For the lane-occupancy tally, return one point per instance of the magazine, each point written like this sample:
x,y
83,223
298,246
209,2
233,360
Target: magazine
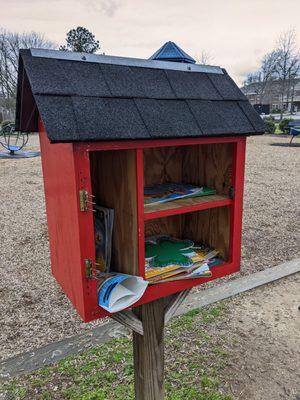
x,y
120,291
163,192
169,259
198,272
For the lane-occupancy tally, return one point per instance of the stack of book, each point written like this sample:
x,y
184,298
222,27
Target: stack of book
x,y
170,259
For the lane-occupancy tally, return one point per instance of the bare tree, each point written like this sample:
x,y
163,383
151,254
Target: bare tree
x,y
205,58
260,81
287,66
277,76
10,44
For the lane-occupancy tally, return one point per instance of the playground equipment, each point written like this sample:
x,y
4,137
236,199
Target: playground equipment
x,y
14,141
294,129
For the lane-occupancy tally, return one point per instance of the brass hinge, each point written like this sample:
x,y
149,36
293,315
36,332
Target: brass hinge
x,y
84,200
88,268
91,270
231,192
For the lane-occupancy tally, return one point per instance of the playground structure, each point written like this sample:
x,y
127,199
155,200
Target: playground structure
x,y
14,141
294,129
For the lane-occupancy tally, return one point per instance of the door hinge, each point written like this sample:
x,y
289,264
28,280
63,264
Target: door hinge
x,y
88,268
91,269
231,192
85,204
83,197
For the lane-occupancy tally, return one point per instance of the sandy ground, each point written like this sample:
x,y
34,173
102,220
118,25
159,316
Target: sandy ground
x,y
264,345
33,309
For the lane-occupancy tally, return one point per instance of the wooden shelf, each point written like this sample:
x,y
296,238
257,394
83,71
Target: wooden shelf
x,y
183,206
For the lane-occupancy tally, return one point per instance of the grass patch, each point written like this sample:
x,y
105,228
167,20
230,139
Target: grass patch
x,y
194,359
277,130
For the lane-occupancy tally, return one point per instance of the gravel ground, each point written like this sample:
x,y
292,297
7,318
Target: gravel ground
x,y
33,309
263,349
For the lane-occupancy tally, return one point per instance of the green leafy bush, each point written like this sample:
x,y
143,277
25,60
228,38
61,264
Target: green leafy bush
x,y
270,125
276,111
283,125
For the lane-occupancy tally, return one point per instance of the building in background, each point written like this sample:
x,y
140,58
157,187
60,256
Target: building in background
x,y
267,98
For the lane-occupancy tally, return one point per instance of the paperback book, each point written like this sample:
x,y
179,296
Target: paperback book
x,y
164,192
120,291
168,259
103,226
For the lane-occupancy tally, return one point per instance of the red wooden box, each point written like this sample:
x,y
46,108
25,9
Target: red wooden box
x,y
115,173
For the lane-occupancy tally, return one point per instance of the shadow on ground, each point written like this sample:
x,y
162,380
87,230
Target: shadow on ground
x,y
285,144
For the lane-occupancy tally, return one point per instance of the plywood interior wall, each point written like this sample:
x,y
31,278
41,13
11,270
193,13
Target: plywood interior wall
x,y
211,227
113,176
209,165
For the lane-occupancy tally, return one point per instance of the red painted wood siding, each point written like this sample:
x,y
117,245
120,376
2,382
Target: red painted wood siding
x,y
66,170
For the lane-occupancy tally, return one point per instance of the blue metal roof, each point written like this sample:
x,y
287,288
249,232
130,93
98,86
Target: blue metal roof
x,y
171,52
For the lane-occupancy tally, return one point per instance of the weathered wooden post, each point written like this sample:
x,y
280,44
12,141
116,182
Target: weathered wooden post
x,y
148,352
111,126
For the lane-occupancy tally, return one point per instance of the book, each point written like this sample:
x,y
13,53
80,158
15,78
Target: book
x,y
165,251
198,272
164,192
169,259
152,272
120,291
103,228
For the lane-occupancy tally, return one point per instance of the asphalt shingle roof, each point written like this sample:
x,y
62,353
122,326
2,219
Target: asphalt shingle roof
x,y
89,101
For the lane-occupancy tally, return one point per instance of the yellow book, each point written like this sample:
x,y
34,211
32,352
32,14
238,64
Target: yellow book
x,y
151,272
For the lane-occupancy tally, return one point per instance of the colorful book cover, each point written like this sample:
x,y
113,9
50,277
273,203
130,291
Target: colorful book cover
x,y
152,272
169,259
168,251
120,291
161,193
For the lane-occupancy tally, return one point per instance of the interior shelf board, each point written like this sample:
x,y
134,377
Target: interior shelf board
x,y
182,206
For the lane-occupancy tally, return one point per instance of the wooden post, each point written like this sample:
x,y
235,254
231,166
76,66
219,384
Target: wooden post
x,y
148,352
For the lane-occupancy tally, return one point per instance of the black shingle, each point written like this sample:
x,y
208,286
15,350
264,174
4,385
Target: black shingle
x,y
108,119
126,81
58,117
46,76
226,87
65,77
80,101
220,117
86,78
192,85
253,116
168,118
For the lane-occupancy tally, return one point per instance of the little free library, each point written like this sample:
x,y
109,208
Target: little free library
x,y
143,164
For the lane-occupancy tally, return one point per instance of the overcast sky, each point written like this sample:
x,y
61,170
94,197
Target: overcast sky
x,y
236,33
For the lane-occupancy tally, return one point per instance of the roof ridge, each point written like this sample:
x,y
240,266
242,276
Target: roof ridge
x,y
123,61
